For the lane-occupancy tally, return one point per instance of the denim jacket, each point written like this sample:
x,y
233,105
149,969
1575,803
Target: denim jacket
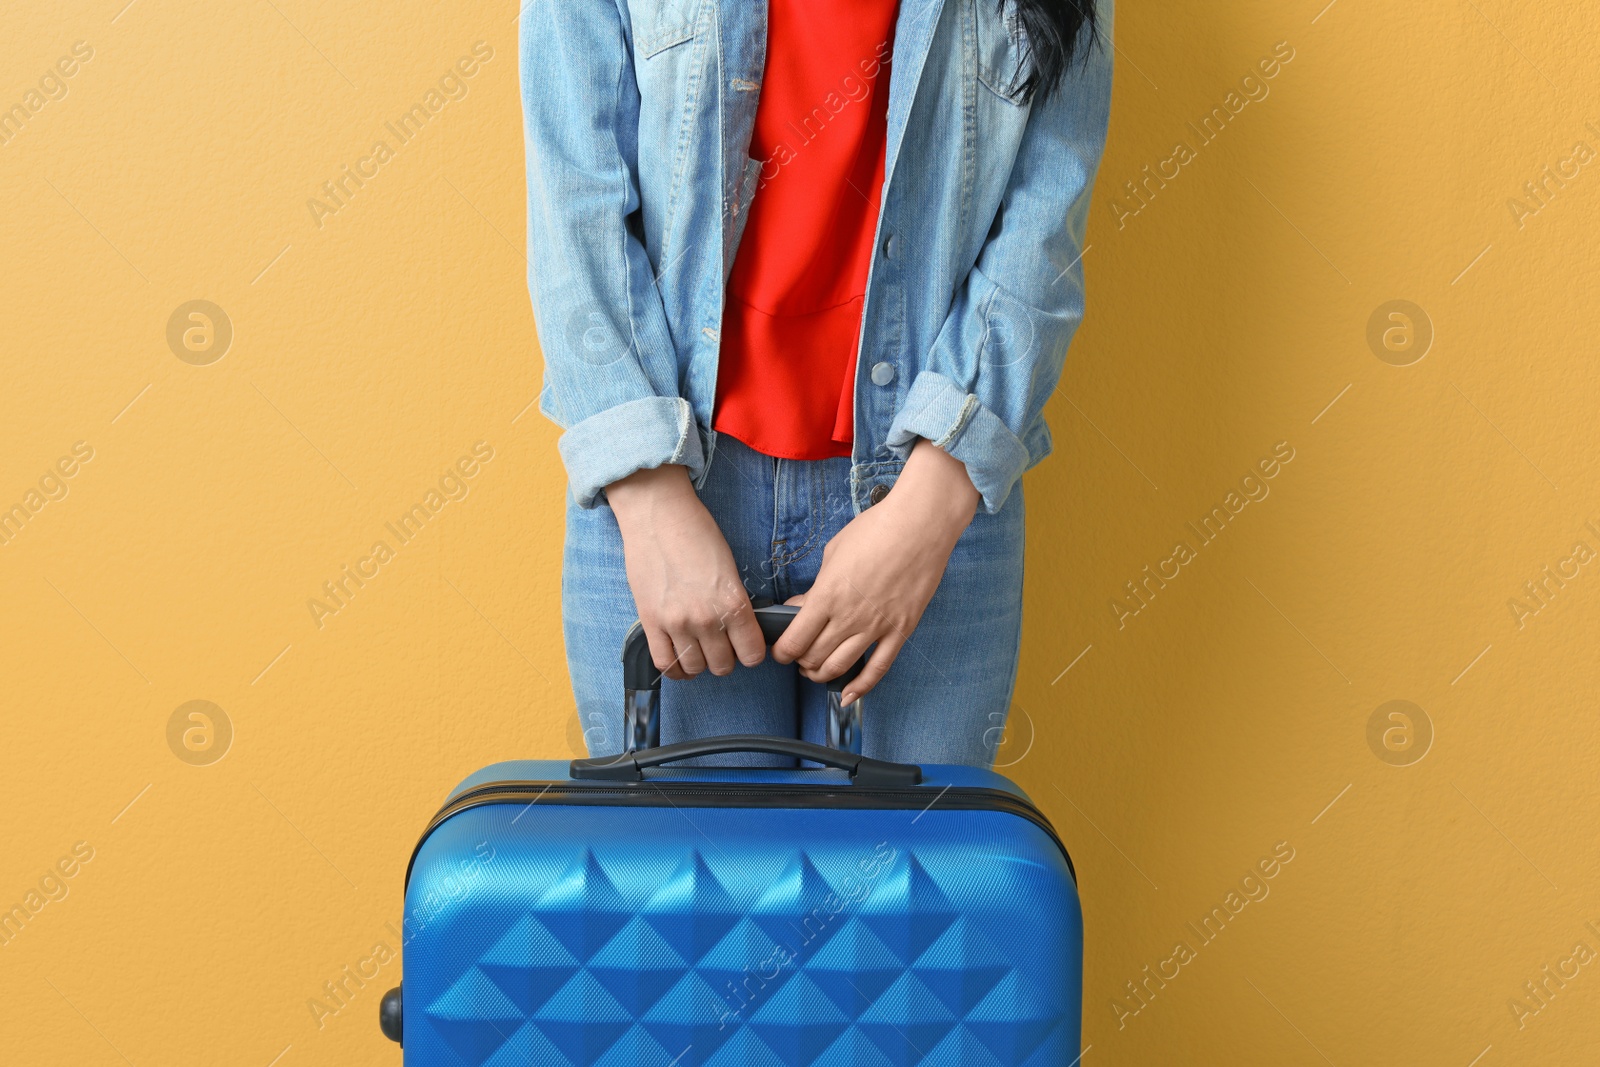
x,y
639,116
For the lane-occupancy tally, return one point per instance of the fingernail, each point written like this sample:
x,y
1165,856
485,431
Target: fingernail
x,y
849,698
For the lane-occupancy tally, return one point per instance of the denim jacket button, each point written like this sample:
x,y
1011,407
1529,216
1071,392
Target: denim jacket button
x,y
882,373
890,247
877,494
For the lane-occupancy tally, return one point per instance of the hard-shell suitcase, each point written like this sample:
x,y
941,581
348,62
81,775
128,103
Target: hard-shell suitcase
x,y
620,912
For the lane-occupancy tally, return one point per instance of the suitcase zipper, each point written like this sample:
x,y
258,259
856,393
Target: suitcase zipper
x,y
730,795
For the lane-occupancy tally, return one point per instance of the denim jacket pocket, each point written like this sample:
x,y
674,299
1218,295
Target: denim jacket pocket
x,y
1003,63
660,24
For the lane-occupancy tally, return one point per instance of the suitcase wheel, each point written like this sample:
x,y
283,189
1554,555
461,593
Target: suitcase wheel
x,y
389,1015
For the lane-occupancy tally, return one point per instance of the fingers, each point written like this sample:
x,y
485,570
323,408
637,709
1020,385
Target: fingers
x,y
726,639
802,632
686,645
815,637
689,661
839,660
661,651
883,658
717,651
825,649
749,644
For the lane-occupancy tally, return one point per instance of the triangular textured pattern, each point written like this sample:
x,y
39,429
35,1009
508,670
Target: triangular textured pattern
x,y
582,1019
961,967
1059,1046
618,937
799,1021
527,1046
1013,1018
636,1048
637,966
854,967
474,997
961,1048
908,911
528,964
744,963
692,1016
474,1017
907,1020
744,1049
800,908
583,908
692,909
854,1049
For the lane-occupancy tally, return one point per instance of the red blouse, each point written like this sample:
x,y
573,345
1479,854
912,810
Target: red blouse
x,y
792,320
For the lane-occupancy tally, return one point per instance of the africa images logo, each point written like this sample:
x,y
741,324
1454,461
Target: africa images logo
x,y
453,485
1253,488
453,86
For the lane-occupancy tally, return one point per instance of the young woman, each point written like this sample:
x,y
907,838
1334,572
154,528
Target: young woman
x,y
805,272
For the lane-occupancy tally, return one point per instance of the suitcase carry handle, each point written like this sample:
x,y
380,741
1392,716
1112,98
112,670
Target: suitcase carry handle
x,y
641,682
639,670
630,766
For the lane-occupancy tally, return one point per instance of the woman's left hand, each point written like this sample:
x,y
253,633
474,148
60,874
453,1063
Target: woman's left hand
x,y
879,573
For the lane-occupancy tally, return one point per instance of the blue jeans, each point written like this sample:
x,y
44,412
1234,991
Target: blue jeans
x,y
944,700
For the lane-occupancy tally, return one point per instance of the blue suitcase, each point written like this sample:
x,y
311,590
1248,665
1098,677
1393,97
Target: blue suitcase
x,y
620,912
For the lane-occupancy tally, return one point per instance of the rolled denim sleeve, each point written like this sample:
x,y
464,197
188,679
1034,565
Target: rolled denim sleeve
x,y
999,354
611,372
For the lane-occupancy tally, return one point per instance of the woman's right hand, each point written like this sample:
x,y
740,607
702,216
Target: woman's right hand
x,y
695,610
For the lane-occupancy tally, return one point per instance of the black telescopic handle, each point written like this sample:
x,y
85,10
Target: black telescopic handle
x,y
639,671
630,766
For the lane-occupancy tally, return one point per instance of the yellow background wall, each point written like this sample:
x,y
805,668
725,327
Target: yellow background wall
x,y
373,346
